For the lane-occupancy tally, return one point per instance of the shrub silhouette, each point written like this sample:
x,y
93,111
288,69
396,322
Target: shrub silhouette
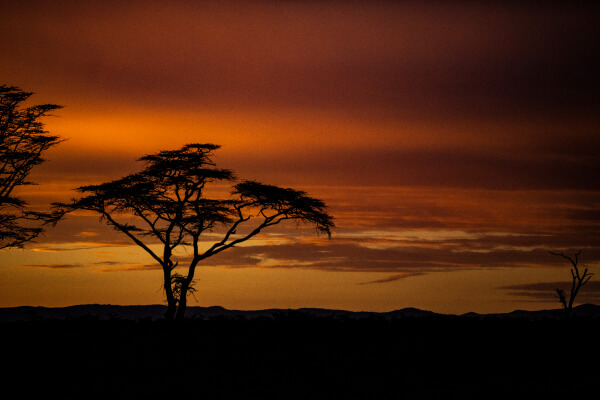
x,y
578,280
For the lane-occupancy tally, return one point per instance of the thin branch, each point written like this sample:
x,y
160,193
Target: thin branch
x,y
132,237
222,245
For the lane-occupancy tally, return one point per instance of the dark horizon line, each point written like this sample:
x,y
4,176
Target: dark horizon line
x,y
156,311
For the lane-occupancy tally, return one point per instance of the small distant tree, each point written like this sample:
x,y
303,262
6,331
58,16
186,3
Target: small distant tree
x,y
22,142
578,280
167,202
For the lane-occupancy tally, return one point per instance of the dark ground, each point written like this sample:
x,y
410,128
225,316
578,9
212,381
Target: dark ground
x,y
299,356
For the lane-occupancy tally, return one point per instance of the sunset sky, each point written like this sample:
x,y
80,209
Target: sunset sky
x,y
455,144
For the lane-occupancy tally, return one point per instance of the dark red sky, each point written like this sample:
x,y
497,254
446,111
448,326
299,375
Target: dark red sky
x,y
471,127
503,94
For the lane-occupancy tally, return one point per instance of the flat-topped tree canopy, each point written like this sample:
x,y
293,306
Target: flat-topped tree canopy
x,y
192,164
166,196
167,200
285,203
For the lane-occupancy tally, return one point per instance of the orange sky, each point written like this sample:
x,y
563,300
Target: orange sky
x,y
455,144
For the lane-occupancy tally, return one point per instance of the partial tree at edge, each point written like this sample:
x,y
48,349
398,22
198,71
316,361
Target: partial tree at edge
x,y
23,140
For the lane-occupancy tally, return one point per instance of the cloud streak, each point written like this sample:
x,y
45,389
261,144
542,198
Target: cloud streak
x,y
53,266
543,291
122,267
414,257
402,231
392,278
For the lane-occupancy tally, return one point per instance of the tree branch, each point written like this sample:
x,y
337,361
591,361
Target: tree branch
x,y
132,237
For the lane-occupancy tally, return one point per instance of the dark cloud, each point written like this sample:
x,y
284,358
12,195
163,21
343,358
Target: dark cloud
x,y
437,167
377,167
392,278
53,266
589,216
408,58
107,266
544,291
414,257
81,232
53,247
385,61
122,267
402,230
531,216
91,166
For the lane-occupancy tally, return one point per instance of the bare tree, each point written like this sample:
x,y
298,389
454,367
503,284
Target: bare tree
x,y
22,142
578,280
166,202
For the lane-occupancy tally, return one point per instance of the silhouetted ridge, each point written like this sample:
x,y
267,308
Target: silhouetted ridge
x,y
412,312
156,312
581,311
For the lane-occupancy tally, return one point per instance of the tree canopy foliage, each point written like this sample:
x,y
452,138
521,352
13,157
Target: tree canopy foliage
x,y
166,201
23,140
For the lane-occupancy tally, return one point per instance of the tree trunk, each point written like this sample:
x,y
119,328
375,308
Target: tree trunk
x,y
568,313
171,301
182,303
185,285
171,308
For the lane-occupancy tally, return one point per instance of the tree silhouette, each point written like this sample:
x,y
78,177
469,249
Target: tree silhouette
x,y
577,282
166,201
22,142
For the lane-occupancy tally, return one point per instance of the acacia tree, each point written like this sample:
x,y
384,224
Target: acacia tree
x,y
22,142
578,280
166,201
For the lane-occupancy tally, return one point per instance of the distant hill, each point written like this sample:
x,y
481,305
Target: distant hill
x,y
589,311
154,312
